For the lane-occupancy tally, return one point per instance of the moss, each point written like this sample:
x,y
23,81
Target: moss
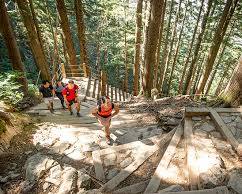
x,y
3,127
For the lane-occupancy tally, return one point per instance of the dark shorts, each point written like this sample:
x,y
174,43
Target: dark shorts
x,y
72,101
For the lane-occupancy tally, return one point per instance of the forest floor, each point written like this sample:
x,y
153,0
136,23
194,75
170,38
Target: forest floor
x,y
53,153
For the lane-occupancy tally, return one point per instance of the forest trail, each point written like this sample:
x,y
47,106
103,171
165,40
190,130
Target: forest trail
x,y
69,154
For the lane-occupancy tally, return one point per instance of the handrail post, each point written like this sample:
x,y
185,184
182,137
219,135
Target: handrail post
x,y
103,83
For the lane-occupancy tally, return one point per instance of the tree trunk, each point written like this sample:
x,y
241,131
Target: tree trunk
x,y
151,44
177,50
36,24
11,44
198,74
81,35
35,45
165,50
67,37
173,35
220,84
217,39
197,47
190,50
147,13
232,94
157,62
125,48
137,46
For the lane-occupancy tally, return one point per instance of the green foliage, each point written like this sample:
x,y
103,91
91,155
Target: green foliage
x,y
10,88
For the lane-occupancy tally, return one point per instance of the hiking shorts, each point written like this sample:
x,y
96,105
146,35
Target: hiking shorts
x,y
48,100
104,121
74,101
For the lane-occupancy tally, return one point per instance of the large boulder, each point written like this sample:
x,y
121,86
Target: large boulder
x,y
235,180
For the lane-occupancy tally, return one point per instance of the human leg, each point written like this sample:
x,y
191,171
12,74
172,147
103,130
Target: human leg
x,y
60,96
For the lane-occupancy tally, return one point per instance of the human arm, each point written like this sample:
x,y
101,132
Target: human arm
x,y
116,110
94,111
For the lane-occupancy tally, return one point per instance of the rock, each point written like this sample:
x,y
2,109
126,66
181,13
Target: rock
x,y
196,118
36,165
172,121
212,178
12,166
239,126
46,186
238,119
1,191
146,134
233,130
122,156
55,175
28,152
68,177
60,147
201,133
207,118
92,146
112,173
110,159
84,180
173,188
227,119
120,132
156,131
216,134
235,180
126,162
77,154
207,127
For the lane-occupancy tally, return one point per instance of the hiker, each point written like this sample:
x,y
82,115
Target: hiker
x,y
70,94
103,112
47,92
58,92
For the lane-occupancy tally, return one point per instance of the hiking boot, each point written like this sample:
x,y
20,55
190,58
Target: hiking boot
x,y
78,114
71,113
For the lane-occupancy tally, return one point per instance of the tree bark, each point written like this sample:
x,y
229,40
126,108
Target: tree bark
x,y
197,47
81,35
232,93
165,50
137,46
173,35
67,37
11,44
151,44
190,50
125,48
157,63
35,45
217,39
177,49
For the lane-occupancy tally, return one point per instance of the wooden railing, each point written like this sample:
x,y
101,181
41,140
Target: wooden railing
x,y
100,85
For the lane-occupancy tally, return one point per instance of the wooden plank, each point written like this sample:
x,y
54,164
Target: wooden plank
x,y
133,189
145,153
216,190
158,140
97,162
228,110
194,111
99,89
222,127
123,174
165,160
191,154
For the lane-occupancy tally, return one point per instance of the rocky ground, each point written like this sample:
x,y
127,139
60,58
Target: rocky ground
x,y
54,154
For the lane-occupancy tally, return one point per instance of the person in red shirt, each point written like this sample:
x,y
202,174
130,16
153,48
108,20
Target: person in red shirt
x,y
70,93
104,112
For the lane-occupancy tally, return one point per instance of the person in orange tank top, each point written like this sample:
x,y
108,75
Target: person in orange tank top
x,y
104,112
